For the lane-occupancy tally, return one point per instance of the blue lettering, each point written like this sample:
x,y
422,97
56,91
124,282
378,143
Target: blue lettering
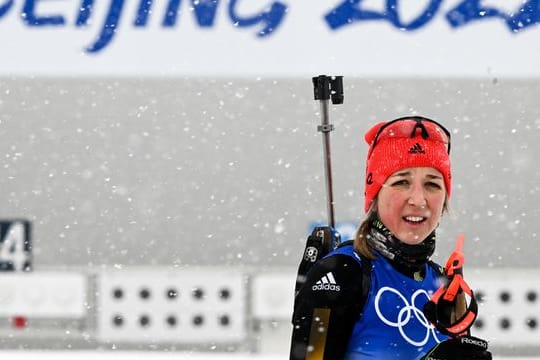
x,y
350,11
109,27
472,10
142,13
527,15
270,18
467,11
205,12
32,19
421,20
172,13
205,15
85,11
5,8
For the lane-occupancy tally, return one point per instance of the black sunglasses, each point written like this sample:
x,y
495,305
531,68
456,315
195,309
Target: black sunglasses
x,y
438,132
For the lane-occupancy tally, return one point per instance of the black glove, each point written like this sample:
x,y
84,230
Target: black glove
x,y
461,348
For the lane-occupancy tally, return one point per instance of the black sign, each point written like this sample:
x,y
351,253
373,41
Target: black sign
x,y
15,245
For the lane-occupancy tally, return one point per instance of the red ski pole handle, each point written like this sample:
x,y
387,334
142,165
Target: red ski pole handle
x,y
455,262
447,309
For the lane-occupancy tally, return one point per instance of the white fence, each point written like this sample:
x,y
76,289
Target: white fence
x,y
218,308
43,295
509,305
160,306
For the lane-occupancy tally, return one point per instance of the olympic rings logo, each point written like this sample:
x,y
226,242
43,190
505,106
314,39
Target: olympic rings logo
x,y
406,313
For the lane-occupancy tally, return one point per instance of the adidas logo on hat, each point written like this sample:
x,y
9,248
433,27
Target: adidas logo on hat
x,y
327,282
416,149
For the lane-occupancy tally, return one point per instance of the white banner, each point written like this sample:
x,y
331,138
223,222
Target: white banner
x,y
480,38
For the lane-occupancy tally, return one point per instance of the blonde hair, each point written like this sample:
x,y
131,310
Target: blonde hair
x,y
360,240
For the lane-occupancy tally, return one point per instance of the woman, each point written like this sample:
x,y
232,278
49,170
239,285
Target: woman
x,y
364,300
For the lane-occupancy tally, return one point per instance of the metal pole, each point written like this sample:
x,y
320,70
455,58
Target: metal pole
x,y
326,88
325,129
323,239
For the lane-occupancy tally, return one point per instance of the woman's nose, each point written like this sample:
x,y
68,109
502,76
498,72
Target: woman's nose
x,y
417,196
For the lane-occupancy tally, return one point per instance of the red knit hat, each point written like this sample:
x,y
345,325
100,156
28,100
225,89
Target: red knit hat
x,y
412,141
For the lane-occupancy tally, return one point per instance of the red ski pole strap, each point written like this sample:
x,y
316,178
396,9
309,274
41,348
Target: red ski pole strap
x,y
456,285
438,310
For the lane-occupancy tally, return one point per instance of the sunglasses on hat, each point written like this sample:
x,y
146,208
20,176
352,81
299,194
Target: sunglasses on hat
x,y
409,126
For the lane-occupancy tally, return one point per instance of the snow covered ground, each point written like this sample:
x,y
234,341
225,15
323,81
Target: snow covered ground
x,y
129,355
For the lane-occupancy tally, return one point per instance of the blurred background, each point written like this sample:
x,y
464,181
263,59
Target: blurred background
x,y
162,166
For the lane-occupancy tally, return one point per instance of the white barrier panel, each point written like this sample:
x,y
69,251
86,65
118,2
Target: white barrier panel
x,y
179,306
273,295
509,305
43,294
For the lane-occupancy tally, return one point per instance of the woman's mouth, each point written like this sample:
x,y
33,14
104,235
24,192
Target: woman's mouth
x,y
414,219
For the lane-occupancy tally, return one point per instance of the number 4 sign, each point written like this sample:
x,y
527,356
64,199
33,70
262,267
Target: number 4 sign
x,y
15,247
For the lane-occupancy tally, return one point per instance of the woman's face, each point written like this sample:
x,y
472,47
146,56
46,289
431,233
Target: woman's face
x,y
410,203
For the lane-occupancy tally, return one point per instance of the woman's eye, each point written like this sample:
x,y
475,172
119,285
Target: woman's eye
x,y
433,185
400,183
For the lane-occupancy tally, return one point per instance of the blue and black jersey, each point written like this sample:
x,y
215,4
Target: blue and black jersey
x,y
336,317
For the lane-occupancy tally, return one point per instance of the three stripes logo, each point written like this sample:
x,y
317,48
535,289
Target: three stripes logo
x,y
327,282
416,149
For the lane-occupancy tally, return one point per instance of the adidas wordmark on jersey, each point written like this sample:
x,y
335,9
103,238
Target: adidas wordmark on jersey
x,y
327,282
